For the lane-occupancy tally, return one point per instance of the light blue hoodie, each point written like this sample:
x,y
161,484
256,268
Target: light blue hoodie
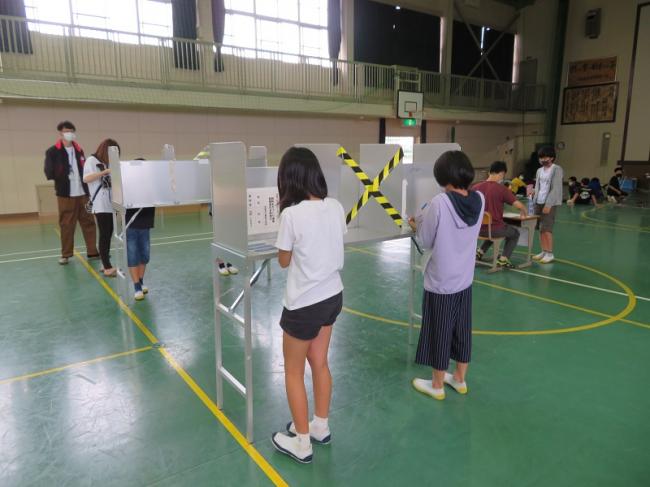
x,y
451,239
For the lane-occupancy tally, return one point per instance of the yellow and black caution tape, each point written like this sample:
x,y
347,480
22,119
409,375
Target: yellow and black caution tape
x,y
372,187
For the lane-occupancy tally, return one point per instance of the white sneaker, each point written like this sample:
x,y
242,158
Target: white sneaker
x,y
145,289
293,446
139,295
425,386
232,269
320,436
539,256
64,260
460,387
223,271
548,258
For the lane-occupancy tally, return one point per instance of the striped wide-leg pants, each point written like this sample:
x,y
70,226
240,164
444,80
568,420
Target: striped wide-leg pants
x,y
446,329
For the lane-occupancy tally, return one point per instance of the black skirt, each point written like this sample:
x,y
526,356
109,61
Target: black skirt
x,y
305,323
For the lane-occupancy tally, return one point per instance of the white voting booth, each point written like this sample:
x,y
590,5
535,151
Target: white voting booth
x,y
152,183
246,218
378,193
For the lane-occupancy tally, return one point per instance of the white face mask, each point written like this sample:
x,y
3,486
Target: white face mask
x,y
69,136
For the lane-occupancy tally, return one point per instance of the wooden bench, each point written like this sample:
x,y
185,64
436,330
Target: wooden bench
x,y
496,242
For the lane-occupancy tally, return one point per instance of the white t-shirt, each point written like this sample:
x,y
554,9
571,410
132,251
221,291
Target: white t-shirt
x,y
102,202
545,176
76,188
313,231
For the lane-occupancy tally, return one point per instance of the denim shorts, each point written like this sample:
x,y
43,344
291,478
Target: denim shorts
x,y
137,246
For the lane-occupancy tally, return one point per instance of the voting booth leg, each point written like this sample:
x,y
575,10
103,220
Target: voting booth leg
x,y
248,354
217,332
413,269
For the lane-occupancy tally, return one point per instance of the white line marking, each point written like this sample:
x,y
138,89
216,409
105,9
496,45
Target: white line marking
x,y
80,247
29,258
573,283
528,273
182,241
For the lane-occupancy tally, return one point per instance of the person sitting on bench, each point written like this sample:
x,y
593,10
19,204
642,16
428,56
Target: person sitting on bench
x,y
496,194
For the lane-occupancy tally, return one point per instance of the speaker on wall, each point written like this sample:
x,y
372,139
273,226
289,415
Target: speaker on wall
x,y
592,23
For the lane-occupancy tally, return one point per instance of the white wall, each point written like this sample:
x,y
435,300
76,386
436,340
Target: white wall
x,y
28,129
583,142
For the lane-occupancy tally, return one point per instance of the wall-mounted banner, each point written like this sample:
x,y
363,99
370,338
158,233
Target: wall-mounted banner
x,y
589,104
592,71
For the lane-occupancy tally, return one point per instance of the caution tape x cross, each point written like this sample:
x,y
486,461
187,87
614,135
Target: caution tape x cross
x,y
372,187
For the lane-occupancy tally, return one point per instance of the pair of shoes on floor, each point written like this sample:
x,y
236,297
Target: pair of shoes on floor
x,y
504,263
544,258
228,269
300,449
425,386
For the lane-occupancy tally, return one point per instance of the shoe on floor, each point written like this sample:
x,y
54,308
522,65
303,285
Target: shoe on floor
x,y
64,260
93,257
539,256
139,295
291,445
505,263
232,269
223,271
426,387
460,387
319,436
145,289
548,258
479,254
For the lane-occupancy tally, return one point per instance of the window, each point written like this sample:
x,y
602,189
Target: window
x,y
466,53
386,35
286,27
135,20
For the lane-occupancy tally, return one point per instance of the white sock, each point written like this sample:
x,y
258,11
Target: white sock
x,y
319,423
549,254
303,440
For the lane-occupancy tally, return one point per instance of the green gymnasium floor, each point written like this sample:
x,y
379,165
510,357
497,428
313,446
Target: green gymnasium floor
x,y
558,396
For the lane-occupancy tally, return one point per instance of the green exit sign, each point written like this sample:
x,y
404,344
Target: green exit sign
x,y
409,122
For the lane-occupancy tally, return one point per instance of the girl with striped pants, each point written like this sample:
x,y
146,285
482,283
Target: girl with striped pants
x,y
448,225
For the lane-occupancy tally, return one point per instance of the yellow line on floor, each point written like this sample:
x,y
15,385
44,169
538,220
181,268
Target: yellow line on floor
x,y
255,455
609,319
616,225
75,365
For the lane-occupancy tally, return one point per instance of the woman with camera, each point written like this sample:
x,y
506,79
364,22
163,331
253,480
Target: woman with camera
x,y
97,177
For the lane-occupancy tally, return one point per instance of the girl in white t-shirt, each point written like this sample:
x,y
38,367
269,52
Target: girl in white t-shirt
x,y
97,177
310,244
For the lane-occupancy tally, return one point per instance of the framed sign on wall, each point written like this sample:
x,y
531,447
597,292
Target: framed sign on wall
x,y
592,71
589,104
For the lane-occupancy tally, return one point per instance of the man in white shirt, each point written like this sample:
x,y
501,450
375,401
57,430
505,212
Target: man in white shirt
x,y
64,163
547,197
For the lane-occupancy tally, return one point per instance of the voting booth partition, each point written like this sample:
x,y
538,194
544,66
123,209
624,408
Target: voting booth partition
x,y
377,193
138,184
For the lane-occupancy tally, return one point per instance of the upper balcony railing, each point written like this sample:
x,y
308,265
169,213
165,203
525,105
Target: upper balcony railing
x,y
59,52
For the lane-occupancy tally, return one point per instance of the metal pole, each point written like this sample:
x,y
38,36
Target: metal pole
x,y
248,358
412,270
217,331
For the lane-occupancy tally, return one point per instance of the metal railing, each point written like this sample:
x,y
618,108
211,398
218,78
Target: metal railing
x,y
51,51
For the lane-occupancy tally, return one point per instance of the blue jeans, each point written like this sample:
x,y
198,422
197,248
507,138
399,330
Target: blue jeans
x,y
137,246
